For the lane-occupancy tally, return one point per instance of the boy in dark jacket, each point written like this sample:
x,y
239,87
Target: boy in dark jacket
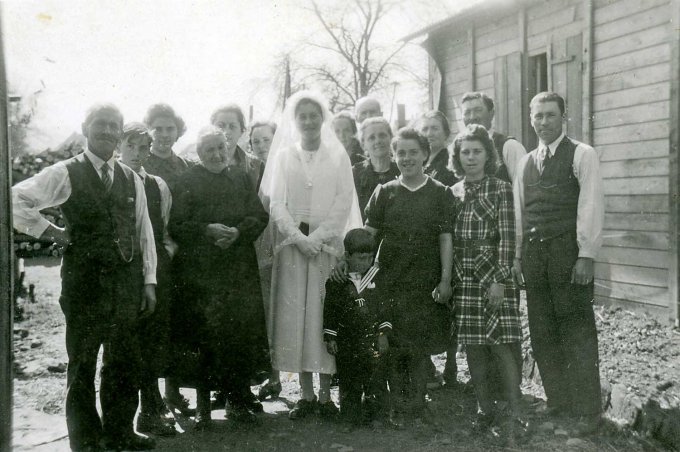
x,y
356,330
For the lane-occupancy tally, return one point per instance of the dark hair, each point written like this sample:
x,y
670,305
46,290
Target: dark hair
x,y
309,100
95,109
230,108
409,133
348,116
256,124
136,129
371,121
359,240
439,116
474,132
488,102
548,96
165,111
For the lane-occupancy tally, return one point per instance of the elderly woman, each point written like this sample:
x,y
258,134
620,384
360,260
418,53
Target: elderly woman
x,y
216,217
232,122
308,188
486,305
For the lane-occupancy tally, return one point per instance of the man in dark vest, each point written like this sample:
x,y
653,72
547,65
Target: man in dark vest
x,y
478,108
108,278
559,207
155,330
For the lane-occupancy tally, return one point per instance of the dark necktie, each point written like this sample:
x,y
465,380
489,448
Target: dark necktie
x,y
106,177
546,159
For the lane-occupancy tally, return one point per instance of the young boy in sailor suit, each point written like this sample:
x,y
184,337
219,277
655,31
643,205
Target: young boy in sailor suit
x,y
356,330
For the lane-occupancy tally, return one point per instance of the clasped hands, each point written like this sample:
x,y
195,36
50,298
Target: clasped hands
x,y
223,236
309,246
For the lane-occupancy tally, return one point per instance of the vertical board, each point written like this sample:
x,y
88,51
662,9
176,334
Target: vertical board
x,y
567,80
500,77
508,95
516,117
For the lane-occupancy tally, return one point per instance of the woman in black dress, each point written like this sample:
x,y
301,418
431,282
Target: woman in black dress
x,y
215,219
411,215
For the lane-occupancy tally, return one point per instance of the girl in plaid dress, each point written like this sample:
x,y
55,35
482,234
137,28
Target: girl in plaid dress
x,y
486,305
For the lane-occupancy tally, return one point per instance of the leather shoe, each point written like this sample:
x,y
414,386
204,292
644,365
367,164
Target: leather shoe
x,y
180,404
241,414
154,425
271,389
303,408
132,442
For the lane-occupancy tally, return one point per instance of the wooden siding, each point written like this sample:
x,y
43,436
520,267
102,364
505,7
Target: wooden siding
x,y
632,106
631,125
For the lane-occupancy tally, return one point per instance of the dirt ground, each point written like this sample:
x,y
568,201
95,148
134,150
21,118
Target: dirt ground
x,y
635,351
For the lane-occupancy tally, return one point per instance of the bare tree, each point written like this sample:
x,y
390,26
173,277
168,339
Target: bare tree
x,y
358,63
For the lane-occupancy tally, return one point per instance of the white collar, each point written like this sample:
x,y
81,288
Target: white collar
x,y
98,162
362,283
414,189
552,147
142,173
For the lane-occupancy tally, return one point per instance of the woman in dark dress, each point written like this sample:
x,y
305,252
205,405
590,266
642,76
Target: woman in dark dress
x,y
215,219
411,215
486,304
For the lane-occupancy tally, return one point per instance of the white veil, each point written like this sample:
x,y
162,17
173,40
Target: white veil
x,y
334,210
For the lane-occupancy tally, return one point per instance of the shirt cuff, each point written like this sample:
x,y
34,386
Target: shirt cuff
x,y
587,252
38,229
149,277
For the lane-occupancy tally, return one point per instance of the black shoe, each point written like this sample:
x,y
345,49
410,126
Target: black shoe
x,y
130,441
154,425
253,404
241,414
271,389
328,410
180,404
303,408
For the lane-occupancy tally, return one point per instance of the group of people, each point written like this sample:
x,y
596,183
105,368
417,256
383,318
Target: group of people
x,y
332,246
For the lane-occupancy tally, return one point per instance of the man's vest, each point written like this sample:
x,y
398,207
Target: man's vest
x,y
499,141
101,225
551,197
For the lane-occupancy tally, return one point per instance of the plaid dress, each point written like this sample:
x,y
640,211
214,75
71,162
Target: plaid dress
x,y
484,247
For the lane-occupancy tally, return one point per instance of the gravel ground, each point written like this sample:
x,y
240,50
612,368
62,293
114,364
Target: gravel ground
x,y
635,351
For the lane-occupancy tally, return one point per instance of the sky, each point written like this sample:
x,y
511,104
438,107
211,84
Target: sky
x,y
194,55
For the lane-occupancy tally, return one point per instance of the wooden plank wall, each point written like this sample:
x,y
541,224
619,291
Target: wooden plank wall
x,y
631,106
631,122
450,49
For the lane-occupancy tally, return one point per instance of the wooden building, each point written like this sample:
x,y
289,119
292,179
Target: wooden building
x,y
617,63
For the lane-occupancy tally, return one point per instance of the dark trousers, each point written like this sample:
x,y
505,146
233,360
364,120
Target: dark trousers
x,y
408,379
100,311
562,325
360,373
154,333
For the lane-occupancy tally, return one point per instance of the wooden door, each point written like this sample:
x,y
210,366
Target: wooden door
x,y
566,79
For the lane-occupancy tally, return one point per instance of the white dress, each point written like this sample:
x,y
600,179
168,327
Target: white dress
x,y
295,320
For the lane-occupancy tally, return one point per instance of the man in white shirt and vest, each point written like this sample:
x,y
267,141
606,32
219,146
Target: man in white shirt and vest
x,y
559,209
108,278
